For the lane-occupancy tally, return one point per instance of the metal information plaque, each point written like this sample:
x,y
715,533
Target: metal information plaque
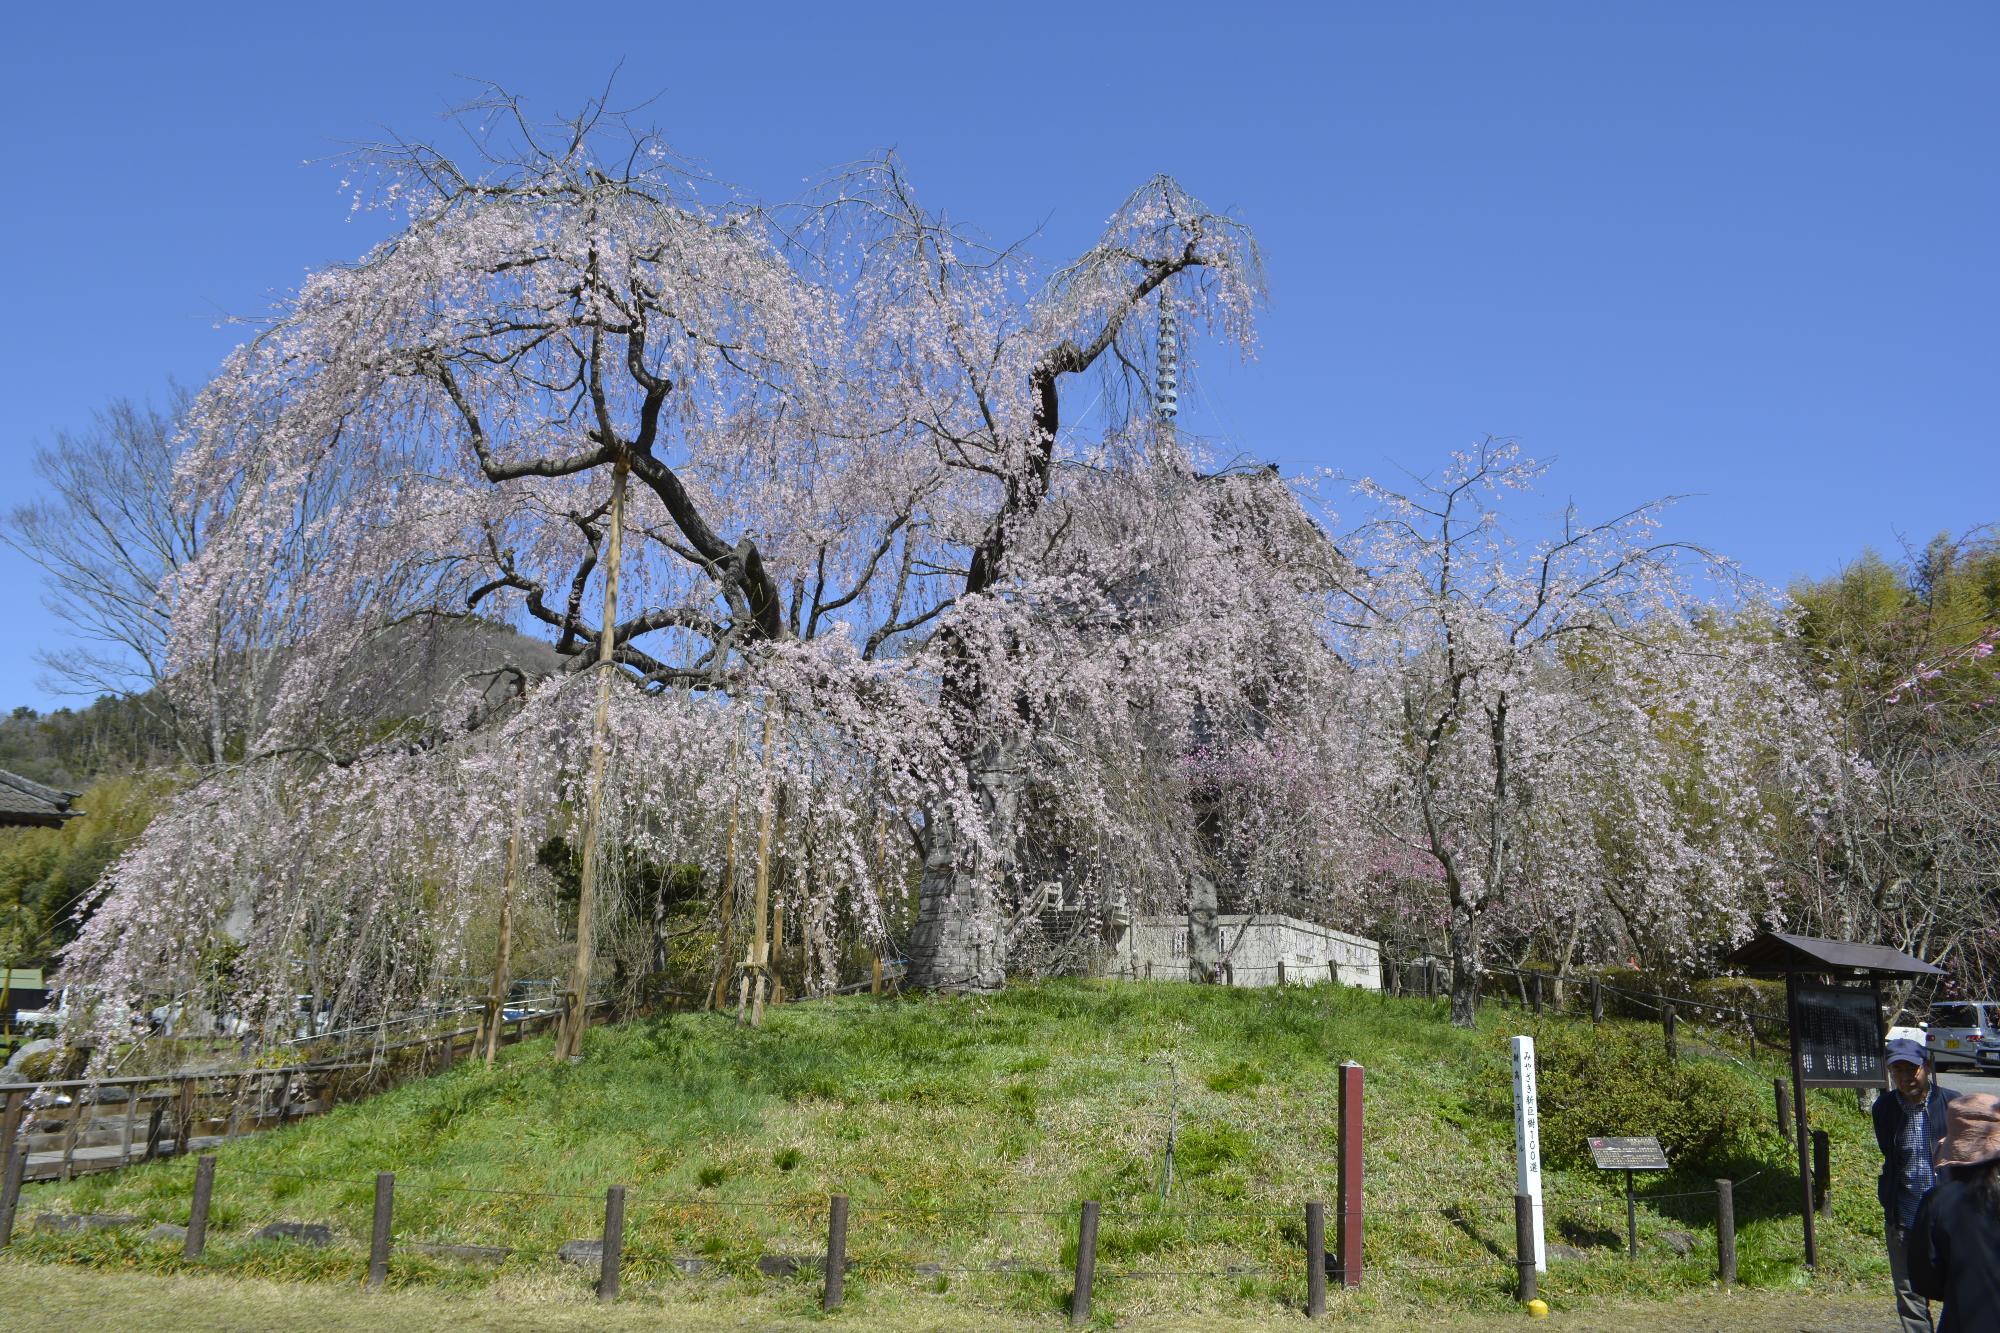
x,y
1838,1030
1628,1154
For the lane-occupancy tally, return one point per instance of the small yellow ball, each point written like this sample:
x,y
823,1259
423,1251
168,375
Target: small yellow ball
x,y
1538,1309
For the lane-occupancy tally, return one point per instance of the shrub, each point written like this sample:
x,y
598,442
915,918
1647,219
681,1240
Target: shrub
x,y
1607,1081
1766,999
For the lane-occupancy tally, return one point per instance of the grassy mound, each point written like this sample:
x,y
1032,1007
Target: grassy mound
x,y
966,1130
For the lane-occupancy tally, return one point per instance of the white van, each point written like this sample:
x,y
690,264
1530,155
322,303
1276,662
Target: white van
x,y
1959,1029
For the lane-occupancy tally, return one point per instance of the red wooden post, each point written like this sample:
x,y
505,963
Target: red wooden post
x,y
1347,1222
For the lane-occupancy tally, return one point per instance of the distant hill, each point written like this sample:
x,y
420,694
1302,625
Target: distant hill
x,y
409,671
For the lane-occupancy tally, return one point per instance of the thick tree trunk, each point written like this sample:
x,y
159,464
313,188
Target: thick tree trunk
x,y
961,938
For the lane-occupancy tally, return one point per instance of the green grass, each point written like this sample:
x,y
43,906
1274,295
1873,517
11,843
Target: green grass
x,y
965,1131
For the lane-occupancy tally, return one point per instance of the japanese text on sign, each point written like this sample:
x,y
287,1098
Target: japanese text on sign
x,y
1839,1034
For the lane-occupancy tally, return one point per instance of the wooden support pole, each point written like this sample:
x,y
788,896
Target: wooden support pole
x,y
1086,1264
1524,1248
496,999
1670,1025
1538,995
204,1190
1782,1096
1315,1259
1804,1136
154,1120
1725,1231
1631,1220
718,995
1347,1222
875,975
1822,1155
759,961
836,1252
614,1243
1332,972
378,1237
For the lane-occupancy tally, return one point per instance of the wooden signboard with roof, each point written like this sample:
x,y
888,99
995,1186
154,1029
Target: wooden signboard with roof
x,y
1835,1012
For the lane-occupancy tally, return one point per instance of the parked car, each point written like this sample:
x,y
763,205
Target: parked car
x,y
1959,1029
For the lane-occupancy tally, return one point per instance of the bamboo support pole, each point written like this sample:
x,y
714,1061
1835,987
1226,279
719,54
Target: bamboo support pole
x,y
569,1042
497,1002
719,993
760,945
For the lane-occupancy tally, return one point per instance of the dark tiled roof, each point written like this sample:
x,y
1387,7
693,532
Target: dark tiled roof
x,y
30,803
1773,954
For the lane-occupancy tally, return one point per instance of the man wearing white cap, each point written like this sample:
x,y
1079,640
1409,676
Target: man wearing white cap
x,y
1909,1128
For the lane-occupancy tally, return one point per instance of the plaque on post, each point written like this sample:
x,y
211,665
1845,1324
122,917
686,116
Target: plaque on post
x,y
1628,1155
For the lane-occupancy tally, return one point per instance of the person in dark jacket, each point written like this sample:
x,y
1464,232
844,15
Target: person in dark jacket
x,y
1954,1241
1909,1129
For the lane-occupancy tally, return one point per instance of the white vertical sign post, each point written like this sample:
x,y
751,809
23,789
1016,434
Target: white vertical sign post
x,y
1528,1140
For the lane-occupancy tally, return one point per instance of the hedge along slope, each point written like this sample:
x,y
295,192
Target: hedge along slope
x,y
966,1130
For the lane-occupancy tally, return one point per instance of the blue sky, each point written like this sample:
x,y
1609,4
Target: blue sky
x,y
1744,252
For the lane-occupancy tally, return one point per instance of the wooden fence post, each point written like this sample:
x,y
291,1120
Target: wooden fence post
x,y
1347,1222
71,1129
378,1238
1281,971
1524,1248
13,1109
614,1243
125,1125
1228,974
1538,995
1332,972
12,1170
1725,1231
183,1116
1315,1259
836,1252
1086,1264
1597,999
204,1190
1783,1096
1822,1154
1670,1024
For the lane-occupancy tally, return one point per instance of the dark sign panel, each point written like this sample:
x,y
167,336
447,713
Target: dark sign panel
x,y
1628,1154
1838,1033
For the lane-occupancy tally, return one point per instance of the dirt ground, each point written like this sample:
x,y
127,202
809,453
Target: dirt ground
x,y
62,1296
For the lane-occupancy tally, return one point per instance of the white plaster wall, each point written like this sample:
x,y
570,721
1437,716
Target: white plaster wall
x,y
1253,946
